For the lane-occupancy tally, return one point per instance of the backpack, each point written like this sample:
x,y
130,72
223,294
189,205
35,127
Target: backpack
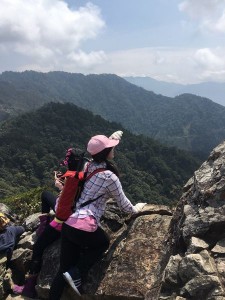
x,y
4,221
72,189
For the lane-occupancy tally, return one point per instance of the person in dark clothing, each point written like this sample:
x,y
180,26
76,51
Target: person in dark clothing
x,y
48,203
9,238
47,234
48,199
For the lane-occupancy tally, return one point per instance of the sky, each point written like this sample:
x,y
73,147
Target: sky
x,y
181,41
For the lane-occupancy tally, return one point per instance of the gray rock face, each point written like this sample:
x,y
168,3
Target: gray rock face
x,y
3,272
134,265
197,235
131,266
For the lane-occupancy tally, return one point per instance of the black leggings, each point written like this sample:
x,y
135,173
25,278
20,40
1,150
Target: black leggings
x,y
48,201
48,236
78,248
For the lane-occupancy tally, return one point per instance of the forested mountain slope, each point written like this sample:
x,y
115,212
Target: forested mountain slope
x,y
33,144
187,121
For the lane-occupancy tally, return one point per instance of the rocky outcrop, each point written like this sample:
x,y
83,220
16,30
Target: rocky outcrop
x,y
196,267
131,268
156,255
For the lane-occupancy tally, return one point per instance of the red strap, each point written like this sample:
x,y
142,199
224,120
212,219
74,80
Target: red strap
x,y
69,174
81,174
73,173
94,172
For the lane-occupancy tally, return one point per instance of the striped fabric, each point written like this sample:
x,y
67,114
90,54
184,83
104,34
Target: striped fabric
x,y
108,185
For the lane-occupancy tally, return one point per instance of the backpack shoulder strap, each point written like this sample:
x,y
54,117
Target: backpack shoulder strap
x,y
87,178
94,172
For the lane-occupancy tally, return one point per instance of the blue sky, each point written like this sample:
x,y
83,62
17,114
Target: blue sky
x,y
129,24
180,41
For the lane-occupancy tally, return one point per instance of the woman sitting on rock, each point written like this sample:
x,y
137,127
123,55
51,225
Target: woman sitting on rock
x,y
47,232
82,232
48,199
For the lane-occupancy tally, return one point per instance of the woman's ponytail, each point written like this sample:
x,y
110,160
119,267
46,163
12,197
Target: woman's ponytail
x,y
102,157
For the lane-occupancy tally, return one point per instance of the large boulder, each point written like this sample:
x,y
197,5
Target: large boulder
x,y
132,265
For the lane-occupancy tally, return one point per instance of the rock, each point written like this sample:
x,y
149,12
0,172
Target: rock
x,y
197,234
196,245
220,247
27,240
203,287
168,297
49,269
131,266
20,263
134,265
199,222
7,283
172,297
220,264
3,260
159,254
193,265
31,222
171,272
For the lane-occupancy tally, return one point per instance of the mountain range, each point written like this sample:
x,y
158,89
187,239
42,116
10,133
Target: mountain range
x,y
33,144
187,121
212,90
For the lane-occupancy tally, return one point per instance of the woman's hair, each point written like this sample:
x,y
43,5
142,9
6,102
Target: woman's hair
x,y
72,159
102,157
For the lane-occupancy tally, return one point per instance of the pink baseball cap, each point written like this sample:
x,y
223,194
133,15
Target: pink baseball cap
x,y
99,142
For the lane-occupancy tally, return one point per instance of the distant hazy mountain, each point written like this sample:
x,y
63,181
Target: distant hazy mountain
x,y
212,90
189,122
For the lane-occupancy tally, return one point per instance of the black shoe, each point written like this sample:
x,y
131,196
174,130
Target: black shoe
x,y
74,280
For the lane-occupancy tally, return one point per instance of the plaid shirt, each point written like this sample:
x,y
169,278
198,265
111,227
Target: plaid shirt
x,y
105,184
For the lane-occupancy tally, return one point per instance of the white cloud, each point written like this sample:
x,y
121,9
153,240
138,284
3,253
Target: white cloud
x,y
220,24
47,35
178,65
210,14
48,31
210,59
211,63
87,60
201,8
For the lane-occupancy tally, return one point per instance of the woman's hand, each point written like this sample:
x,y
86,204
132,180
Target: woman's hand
x,y
58,181
116,135
57,174
58,184
139,206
